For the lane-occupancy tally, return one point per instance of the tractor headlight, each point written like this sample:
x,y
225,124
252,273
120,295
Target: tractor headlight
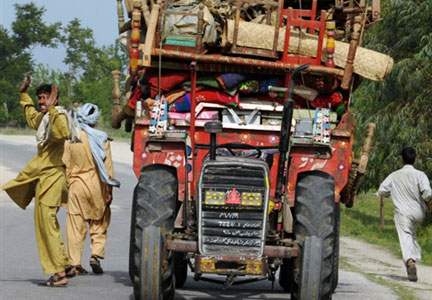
x,y
251,199
214,198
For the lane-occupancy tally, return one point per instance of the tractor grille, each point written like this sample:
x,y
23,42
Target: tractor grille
x,y
228,228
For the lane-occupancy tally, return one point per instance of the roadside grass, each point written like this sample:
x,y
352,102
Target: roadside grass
x,y
363,222
17,131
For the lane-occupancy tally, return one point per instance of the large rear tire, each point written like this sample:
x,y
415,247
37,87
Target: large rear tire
x,y
315,216
155,196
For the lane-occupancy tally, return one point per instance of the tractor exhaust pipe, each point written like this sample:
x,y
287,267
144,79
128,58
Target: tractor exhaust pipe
x,y
213,127
285,132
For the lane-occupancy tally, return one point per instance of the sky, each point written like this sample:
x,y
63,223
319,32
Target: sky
x,y
98,15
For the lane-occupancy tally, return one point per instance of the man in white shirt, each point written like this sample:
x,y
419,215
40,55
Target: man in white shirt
x,y
409,189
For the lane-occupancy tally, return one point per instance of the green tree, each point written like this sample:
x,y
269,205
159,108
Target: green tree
x,y
89,78
80,48
400,106
95,85
27,31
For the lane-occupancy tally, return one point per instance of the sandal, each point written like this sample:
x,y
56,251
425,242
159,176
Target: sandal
x,y
95,265
55,282
81,270
72,271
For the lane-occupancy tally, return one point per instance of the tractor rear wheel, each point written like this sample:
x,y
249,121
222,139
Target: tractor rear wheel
x,y
315,216
155,196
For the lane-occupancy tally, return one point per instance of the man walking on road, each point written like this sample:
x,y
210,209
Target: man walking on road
x,y
409,189
90,176
44,177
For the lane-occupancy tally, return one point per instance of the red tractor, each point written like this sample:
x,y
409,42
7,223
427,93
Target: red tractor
x,y
246,184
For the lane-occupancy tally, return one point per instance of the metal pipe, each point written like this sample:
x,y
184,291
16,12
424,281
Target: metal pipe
x,y
269,250
192,122
285,132
212,146
232,60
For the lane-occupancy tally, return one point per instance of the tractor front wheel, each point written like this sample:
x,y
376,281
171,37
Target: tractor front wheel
x,y
155,199
335,272
315,216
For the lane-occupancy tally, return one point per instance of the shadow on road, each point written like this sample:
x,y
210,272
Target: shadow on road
x,y
238,294
34,281
120,277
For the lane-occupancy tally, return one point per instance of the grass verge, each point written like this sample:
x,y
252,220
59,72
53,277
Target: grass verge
x,y
363,222
17,131
400,290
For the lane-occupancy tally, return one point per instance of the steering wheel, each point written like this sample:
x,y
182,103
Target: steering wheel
x,y
232,146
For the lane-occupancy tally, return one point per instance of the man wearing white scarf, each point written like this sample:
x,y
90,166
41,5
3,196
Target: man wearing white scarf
x,y
90,175
44,177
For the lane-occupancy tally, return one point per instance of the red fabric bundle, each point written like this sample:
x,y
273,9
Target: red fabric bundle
x,y
169,80
327,101
136,95
219,97
320,101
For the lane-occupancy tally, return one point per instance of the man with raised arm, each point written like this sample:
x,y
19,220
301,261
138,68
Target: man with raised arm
x,y
44,177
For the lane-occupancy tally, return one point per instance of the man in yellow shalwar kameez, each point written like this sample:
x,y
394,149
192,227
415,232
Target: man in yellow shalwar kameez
x,y
44,177
90,176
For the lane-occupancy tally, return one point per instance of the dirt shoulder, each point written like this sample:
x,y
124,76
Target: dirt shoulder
x,y
383,267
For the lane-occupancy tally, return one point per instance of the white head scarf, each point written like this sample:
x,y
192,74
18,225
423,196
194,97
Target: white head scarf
x,y
88,114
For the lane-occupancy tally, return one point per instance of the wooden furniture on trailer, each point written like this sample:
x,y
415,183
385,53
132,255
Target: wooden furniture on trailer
x,y
295,19
192,43
300,13
270,5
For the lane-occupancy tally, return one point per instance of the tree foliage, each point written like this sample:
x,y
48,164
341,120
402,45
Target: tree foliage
x,y
401,106
87,78
95,84
28,30
80,49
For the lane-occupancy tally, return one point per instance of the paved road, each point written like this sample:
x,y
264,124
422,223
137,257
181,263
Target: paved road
x,y
20,270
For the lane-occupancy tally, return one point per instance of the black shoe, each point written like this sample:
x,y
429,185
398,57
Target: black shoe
x,y
95,265
412,272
